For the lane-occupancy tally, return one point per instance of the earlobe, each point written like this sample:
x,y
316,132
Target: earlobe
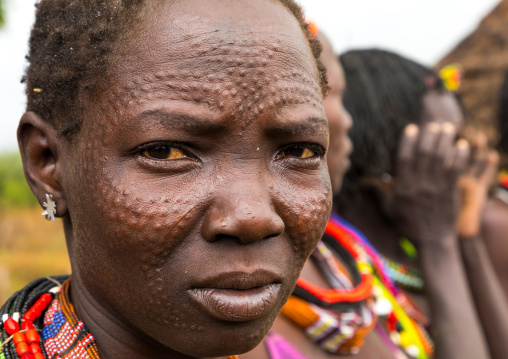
x,y
41,148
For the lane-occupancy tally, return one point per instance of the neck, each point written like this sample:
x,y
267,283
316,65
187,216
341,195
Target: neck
x,y
366,215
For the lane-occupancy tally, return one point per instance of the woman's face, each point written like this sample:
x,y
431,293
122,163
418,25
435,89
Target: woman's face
x,y
339,119
197,186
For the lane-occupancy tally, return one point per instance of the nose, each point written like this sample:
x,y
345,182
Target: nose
x,y
244,212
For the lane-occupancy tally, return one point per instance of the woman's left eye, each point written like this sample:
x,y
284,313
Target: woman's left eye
x,y
163,153
300,151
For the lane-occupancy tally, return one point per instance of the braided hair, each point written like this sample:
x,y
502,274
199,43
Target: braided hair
x,y
384,94
70,46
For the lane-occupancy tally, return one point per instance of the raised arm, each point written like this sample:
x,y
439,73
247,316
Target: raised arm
x,y
485,286
425,205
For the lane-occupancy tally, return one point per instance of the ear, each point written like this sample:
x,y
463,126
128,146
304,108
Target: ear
x,y
41,148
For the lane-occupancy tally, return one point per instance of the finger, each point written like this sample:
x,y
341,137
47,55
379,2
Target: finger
x,y
489,174
407,150
462,153
479,155
446,144
429,138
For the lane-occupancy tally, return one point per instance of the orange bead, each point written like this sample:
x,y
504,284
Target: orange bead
x,y
22,348
32,336
38,356
35,348
18,338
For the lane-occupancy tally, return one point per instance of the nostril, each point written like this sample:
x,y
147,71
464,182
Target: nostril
x,y
224,237
272,235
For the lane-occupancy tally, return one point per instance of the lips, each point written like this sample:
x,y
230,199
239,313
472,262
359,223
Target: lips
x,y
237,297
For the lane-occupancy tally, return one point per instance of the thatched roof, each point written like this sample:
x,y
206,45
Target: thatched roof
x,y
484,57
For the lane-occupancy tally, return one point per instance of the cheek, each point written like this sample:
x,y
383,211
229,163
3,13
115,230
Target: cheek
x,y
305,210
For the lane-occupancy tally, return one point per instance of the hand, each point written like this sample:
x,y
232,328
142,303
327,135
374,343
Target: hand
x,y
474,186
425,196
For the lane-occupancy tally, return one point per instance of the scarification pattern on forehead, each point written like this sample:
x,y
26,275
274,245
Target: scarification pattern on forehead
x,y
233,77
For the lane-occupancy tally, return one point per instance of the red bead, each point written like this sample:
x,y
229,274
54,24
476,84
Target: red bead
x,y
46,298
30,315
26,325
32,336
38,356
22,348
35,348
11,326
28,356
18,338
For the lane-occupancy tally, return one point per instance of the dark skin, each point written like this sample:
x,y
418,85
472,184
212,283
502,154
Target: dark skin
x,y
422,204
192,173
481,270
339,120
338,163
493,230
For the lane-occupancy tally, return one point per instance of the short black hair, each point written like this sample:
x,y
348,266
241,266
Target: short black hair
x,y
69,50
384,94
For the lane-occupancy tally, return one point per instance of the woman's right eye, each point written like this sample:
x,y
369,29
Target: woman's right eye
x,y
164,153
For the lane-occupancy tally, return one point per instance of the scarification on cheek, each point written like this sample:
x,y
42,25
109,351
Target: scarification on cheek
x,y
143,226
308,215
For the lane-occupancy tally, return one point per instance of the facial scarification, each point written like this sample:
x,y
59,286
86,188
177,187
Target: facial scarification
x,y
146,220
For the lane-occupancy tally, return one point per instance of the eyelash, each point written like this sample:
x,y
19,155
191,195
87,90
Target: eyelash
x,y
189,158
319,151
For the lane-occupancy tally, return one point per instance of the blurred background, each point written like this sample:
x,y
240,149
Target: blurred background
x,y
432,32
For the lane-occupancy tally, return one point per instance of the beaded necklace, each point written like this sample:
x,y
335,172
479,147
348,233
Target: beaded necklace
x,y
402,275
63,335
338,319
404,322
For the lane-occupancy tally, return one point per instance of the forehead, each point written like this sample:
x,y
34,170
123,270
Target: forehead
x,y
242,56
442,107
215,35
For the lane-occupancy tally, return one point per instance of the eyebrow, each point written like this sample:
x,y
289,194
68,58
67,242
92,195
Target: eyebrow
x,y
170,120
310,125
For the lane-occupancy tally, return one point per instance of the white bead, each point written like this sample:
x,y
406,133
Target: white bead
x,y
54,290
16,316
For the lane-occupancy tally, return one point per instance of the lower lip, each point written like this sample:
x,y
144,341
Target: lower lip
x,y
237,305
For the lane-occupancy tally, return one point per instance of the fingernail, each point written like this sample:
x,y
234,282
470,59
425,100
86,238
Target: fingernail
x,y
462,144
448,127
411,130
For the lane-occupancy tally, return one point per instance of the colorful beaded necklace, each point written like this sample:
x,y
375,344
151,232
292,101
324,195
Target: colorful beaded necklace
x,y
63,335
338,319
405,277
404,323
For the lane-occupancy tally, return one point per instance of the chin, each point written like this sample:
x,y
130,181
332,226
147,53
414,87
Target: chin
x,y
225,340
221,339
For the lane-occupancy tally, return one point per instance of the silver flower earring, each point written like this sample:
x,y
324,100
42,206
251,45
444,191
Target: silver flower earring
x,y
50,207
